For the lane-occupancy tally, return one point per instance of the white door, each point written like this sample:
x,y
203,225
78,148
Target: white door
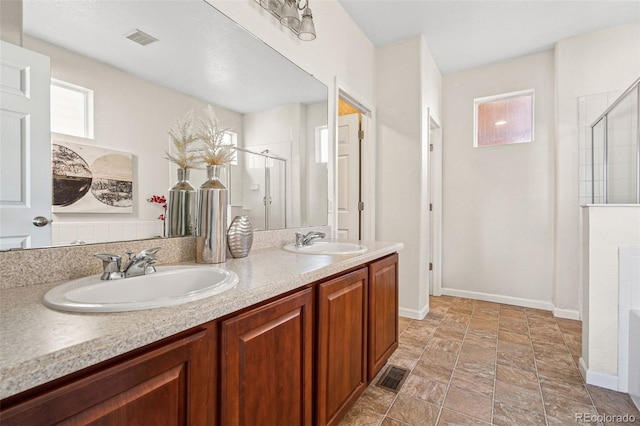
x,y
348,177
25,147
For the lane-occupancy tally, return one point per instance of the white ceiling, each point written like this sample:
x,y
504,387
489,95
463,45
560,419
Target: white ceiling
x,y
467,34
200,51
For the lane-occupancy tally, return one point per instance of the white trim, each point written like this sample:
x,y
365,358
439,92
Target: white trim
x,y
497,298
435,197
607,381
571,314
414,313
368,156
509,300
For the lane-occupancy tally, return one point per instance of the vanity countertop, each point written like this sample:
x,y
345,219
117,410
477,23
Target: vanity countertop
x,y
38,344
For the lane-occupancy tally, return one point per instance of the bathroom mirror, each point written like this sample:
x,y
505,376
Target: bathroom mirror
x,y
133,93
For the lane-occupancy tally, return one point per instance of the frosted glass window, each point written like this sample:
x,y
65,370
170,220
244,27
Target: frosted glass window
x,y
71,109
504,119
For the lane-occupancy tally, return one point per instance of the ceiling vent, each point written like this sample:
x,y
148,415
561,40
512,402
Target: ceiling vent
x,y
141,37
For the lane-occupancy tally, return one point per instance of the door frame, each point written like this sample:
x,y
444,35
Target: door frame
x,y
368,161
435,197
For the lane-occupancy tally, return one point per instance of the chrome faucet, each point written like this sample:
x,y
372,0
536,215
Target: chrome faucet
x,y
142,263
303,240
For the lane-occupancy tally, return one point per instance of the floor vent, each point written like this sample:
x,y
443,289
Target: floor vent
x,y
392,378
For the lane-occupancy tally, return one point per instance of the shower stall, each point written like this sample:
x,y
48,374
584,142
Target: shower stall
x,y
264,188
615,151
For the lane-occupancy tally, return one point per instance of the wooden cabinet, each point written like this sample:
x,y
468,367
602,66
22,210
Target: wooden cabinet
x,y
302,359
342,345
383,313
266,364
168,385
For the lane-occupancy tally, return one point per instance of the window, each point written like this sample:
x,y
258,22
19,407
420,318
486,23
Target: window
x,y
504,119
231,138
322,144
71,109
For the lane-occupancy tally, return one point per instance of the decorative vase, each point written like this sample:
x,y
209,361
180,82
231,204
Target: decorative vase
x,y
181,207
240,236
211,241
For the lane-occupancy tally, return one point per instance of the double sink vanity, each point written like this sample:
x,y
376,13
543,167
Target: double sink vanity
x,y
288,335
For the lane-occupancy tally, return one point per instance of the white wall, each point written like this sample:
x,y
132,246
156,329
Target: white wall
x,y
498,201
317,195
408,82
608,229
281,130
598,62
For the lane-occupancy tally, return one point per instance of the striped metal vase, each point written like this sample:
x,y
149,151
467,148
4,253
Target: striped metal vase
x,y
240,236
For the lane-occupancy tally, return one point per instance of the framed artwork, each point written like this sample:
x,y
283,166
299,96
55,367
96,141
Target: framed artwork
x,y
90,179
503,119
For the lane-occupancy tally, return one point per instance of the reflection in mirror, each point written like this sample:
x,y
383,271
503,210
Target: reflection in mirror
x,y
134,93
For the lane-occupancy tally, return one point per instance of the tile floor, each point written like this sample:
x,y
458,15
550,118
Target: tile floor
x,y
481,363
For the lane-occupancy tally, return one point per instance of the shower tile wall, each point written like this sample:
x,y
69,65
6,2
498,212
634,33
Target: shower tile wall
x,y
64,233
589,109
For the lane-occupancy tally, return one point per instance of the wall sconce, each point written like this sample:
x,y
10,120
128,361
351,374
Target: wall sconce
x,y
287,12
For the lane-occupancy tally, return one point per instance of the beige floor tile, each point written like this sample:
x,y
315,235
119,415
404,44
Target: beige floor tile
x,y
517,359
388,421
515,376
472,404
376,399
612,402
433,356
359,416
476,381
563,389
433,372
414,412
566,409
518,396
559,372
505,415
445,345
518,339
426,390
451,418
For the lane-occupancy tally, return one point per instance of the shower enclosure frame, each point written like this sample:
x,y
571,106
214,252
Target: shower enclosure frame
x,y
267,197
605,116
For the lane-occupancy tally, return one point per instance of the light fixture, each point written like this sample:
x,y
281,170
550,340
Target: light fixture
x,y
288,13
501,123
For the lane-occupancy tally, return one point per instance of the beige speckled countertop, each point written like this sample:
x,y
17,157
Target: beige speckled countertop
x,y
38,344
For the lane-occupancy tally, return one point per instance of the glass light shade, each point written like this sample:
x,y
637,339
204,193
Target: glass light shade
x,y
289,14
307,31
273,5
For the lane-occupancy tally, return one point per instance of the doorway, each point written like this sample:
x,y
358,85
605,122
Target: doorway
x,y
353,181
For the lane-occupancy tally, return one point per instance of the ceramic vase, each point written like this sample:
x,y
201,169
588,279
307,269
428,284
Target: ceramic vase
x,y
181,207
211,235
240,236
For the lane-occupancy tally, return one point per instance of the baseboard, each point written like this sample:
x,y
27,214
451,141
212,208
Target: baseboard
x,y
636,400
414,313
509,300
566,313
607,381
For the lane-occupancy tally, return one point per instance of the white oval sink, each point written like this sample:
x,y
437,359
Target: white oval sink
x,y
169,286
327,247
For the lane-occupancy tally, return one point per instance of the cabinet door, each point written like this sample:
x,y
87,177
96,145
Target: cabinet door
x,y
383,312
266,367
342,332
150,389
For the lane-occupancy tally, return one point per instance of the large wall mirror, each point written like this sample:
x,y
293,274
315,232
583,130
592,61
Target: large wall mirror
x,y
133,93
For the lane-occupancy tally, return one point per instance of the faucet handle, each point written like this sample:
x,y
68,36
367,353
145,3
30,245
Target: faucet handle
x,y
110,266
